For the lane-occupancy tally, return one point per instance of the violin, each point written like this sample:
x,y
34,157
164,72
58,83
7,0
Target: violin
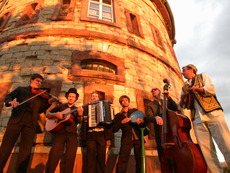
x,y
44,94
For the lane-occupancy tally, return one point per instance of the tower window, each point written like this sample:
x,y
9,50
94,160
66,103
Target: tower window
x,y
4,20
133,23
157,37
101,9
99,65
30,14
64,10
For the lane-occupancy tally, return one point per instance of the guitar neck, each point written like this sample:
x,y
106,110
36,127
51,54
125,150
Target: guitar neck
x,y
75,109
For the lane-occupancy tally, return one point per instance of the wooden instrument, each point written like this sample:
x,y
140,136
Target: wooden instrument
x,y
55,125
42,93
101,112
184,155
189,98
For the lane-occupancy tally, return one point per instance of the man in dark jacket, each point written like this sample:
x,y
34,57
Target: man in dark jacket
x,y
96,137
23,121
154,115
65,138
130,136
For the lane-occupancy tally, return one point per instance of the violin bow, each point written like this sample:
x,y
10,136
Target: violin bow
x,y
32,97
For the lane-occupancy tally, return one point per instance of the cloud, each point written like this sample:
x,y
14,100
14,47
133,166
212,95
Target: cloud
x,y
203,39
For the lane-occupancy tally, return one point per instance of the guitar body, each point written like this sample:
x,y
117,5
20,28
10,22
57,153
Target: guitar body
x,y
55,125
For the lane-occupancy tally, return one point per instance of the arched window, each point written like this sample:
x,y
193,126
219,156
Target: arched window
x,y
99,65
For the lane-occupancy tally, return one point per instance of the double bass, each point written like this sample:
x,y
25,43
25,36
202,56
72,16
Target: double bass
x,y
184,155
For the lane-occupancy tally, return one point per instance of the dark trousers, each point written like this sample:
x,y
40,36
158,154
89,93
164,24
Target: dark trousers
x,y
67,141
124,155
10,137
96,152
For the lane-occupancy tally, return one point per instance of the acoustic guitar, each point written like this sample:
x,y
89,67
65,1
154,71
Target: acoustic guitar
x,y
55,125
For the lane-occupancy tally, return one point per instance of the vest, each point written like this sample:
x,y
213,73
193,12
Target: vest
x,y
208,103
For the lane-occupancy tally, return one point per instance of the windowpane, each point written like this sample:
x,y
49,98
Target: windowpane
x,y
96,17
92,5
105,8
101,9
99,65
107,2
107,15
93,12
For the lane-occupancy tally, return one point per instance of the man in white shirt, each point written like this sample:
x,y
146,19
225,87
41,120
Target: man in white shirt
x,y
198,95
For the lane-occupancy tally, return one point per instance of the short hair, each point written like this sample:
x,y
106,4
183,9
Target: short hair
x,y
95,92
123,96
36,75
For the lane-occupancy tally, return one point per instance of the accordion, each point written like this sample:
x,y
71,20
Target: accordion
x,y
100,113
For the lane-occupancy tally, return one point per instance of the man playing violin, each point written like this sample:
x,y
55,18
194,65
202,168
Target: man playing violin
x,y
23,121
67,138
131,136
207,116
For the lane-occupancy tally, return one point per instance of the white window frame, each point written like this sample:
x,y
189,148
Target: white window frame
x,y
101,4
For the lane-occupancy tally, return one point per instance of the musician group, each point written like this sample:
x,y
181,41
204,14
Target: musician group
x,y
198,95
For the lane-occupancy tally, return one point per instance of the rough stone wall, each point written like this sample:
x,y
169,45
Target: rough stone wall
x,y
47,47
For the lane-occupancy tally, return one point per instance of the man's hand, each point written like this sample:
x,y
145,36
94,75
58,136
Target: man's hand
x,y
59,115
80,110
166,93
159,120
139,121
126,120
13,103
197,89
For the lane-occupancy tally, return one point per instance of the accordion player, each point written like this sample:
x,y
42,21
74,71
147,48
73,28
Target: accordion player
x,y
100,113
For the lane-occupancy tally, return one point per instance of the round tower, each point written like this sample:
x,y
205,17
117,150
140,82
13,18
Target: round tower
x,y
116,47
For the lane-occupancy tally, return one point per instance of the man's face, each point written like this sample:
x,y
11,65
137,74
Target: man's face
x,y
94,97
155,92
187,73
36,83
125,102
72,97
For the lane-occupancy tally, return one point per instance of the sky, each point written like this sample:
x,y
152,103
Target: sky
x,y
203,39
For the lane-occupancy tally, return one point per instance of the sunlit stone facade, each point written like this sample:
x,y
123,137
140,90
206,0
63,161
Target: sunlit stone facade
x,y
113,46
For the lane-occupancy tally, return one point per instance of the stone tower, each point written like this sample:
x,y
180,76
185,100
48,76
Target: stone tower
x,y
113,46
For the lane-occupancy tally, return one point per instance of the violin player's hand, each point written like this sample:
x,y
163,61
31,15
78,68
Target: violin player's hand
x,y
14,103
